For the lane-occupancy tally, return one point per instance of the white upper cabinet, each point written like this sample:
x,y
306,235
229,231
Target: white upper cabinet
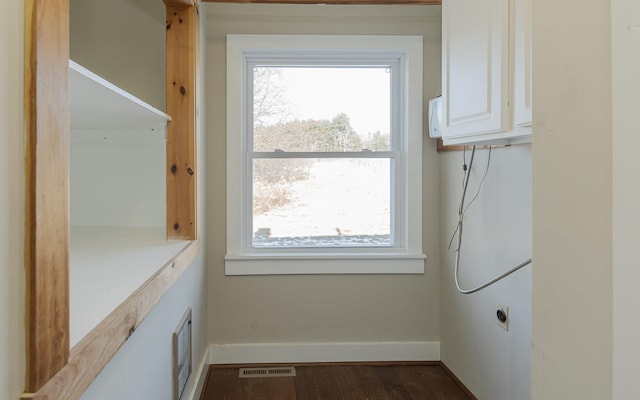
x,y
522,77
475,74
486,73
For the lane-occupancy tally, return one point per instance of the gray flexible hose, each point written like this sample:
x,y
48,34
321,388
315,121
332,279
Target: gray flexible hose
x,y
461,211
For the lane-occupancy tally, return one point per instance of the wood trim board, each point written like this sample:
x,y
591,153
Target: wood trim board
x,y
181,3
442,148
343,2
47,189
182,46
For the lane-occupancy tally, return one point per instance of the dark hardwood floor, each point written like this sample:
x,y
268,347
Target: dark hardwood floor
x,y
334,382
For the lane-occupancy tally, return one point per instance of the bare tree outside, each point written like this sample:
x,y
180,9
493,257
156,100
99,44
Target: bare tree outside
x,y
270,105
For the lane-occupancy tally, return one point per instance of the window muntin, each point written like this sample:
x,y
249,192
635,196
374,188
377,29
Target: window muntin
x,y
304,153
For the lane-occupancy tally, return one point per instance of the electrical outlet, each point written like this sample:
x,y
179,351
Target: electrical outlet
x,y
502,315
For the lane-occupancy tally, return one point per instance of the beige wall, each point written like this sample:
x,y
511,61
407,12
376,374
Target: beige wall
x,y
12,359
493,363
323,308
626,198
102,41
572,201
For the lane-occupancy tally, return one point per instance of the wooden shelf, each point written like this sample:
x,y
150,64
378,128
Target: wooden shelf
x,y
107,265
96,103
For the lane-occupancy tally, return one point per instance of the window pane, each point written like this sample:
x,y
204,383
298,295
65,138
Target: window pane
x,y
321,109
321,202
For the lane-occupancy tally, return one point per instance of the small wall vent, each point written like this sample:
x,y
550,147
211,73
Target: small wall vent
x,y
181,355
271,372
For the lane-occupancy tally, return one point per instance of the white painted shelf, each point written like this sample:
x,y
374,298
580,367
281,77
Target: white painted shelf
x,y
108,264
96,103
115,189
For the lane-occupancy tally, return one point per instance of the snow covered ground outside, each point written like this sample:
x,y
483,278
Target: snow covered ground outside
x,y
344,202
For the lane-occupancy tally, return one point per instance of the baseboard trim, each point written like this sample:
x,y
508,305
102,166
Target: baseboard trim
x,y
276,353
458,381
194,391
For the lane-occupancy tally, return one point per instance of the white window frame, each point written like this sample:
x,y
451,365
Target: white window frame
x,y
405,255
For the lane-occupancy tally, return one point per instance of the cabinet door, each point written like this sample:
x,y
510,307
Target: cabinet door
x,y
475,67
522,78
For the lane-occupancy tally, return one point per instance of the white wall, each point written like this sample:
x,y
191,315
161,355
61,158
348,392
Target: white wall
x,y
572,200
12,294
101,173
626,198
321,308
122,41
585,203
102,41
493,363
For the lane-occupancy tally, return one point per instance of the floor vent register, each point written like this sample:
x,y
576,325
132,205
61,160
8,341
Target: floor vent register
x,y
271,372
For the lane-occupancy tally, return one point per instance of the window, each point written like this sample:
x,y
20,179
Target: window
x,y
324,154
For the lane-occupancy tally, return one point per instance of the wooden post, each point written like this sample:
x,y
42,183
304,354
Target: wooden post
x,y
181,3
182,43
47,189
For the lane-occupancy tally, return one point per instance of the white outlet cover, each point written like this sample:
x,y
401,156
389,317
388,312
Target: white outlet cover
x,y
504,325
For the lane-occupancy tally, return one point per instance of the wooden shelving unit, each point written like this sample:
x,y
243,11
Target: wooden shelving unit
x,y
118,236
53,369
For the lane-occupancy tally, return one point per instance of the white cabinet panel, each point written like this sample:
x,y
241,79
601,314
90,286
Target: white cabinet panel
x,y
486,71
522,79
475,70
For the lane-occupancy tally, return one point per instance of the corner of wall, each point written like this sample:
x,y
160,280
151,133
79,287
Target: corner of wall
x,y
12,201
491,362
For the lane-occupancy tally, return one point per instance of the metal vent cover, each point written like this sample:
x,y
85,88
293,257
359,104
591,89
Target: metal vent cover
x,y
267,372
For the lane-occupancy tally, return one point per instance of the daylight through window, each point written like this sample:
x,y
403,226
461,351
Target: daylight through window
x,y
322,154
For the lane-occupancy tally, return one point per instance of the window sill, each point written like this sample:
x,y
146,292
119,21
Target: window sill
x,y
261,264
